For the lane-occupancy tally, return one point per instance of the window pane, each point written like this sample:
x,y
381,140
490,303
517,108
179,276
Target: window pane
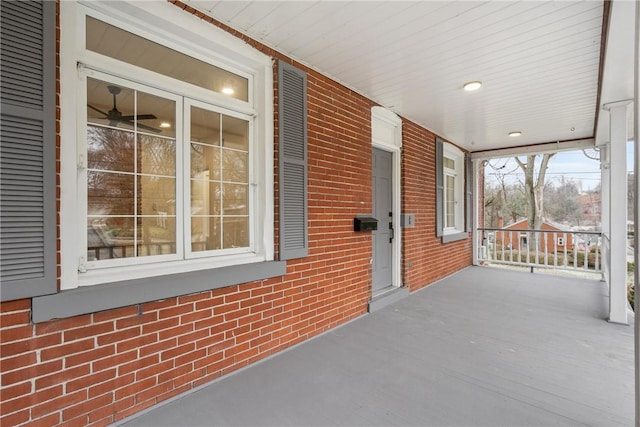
x,y
449,163
155,195
205,233
219,181
156,235
450,204
234,200
115,105
235,167
109,238
205,126
131,162
235,133
205,197
109,149
236,232
110,193
156,115
205,161
108,40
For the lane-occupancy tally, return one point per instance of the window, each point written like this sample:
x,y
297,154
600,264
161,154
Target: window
x,y
173,147
453,192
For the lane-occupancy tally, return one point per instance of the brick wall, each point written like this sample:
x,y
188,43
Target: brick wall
x,y
425,259
98,368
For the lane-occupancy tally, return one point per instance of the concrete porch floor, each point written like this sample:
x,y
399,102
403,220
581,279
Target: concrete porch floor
x,y
483,347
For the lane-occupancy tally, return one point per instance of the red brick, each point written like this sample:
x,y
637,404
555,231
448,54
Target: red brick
x,y
81,421
62,324
120,335
89,356
174,332
86,406
118,313
17,362
200,296
89,380
190,357
15,319
34,371
196,315
175,311
15,419
137,320
17,390
67,349
137,342
157,305
19,347
110,362
111,385
108,411
15,334
135,388
193,336
157,347
88,331
209,303
63,376
160,325
17,305
138,364
46,421
62,401
153,370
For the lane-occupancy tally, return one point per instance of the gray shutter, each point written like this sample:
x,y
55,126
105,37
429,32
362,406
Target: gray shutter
x,y
439,187
468,186
292,140
27,150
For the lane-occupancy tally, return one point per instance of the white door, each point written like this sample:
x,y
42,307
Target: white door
x,y
383,211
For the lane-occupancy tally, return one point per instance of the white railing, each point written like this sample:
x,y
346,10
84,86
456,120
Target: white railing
x,y
565,250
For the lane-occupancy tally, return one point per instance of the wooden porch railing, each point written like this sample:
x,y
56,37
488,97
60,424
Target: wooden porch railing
x,y
566,250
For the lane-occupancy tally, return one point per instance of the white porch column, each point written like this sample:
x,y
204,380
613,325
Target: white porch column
x,y
605,186
636,208
617,151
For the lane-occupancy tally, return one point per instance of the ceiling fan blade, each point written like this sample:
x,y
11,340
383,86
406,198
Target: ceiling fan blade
x,y
98,110
140,117
141,126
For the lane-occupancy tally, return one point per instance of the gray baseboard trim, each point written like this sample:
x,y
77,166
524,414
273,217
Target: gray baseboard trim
x,y
384,299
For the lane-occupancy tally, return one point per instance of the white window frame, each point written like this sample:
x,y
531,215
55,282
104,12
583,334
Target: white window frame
x,y
454,153
166,24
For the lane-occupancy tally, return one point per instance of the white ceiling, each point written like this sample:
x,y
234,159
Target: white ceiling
x,y
538,60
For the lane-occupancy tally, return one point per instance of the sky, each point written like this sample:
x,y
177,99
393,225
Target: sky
x,y
573,165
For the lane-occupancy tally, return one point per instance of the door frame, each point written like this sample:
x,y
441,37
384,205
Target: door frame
x,y
386,134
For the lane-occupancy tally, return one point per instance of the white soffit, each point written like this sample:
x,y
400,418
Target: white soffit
x,y
538,61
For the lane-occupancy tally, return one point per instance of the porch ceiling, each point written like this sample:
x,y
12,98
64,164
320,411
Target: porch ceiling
x,y
538,61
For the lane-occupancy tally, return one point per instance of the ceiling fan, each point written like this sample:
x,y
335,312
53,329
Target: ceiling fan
x,y
115,116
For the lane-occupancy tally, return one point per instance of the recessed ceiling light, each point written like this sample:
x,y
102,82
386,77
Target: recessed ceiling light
x,y
471,86
165,125
228,90
515,133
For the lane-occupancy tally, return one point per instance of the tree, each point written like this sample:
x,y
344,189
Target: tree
x,y
534,186
564,202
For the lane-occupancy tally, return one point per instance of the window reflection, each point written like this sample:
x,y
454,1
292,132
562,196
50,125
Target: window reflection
x,y
219,181
131,173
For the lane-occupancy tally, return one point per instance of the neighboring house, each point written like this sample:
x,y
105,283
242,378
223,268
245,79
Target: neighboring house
x,y
516,237
591,205
183,202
